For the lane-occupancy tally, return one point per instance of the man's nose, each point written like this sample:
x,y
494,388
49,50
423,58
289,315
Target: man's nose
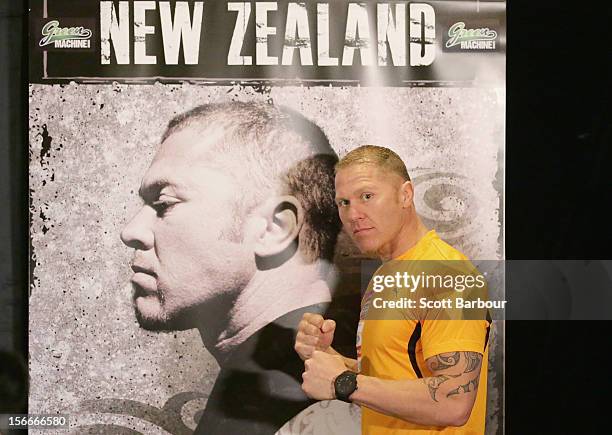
x,y
138,233
355,213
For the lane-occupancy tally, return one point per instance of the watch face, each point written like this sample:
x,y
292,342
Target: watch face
x,y
345,385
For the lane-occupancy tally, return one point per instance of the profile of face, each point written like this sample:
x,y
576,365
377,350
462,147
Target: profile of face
x,y
371,204
192,253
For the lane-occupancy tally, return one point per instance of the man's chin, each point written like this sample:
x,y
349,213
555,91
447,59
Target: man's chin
x,y
152,316
368,249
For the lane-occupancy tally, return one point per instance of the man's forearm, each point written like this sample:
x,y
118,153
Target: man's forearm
x,y
425,401
350,363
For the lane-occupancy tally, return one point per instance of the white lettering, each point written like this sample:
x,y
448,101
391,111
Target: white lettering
x,y
72,43
323,55
378,287
242,21
392,32
181,29
377,302
435,303
262,31
297,35
141,30
480,303
357,23
114,29
401,303
422,34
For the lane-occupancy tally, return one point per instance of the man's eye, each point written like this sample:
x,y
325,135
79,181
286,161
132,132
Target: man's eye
x,y
342,203
366,196
161,207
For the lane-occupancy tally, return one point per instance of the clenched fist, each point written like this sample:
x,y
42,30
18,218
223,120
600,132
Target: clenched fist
x,y
314,333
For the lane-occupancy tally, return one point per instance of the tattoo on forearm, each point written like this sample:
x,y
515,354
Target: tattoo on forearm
x,y
466,388
434,383
444,361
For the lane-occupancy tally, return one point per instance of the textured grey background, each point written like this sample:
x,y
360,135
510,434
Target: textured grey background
x,y
90,146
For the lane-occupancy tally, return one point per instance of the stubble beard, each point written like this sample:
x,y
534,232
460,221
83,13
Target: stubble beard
x,y
159,319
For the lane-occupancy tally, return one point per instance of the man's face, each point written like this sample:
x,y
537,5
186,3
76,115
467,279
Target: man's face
x,y
190,259
370,206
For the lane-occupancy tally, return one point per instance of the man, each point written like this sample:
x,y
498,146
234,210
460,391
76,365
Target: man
x,y
414,375
234,238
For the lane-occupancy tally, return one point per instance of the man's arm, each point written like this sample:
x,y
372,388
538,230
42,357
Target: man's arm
x,y
444,399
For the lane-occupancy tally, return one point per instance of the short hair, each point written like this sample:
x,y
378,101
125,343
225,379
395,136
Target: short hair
x,y
266,146
375,155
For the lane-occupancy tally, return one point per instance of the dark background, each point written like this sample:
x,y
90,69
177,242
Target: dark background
x,y
558,187
13,208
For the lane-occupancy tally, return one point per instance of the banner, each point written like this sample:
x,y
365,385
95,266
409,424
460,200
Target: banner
x,y
168,279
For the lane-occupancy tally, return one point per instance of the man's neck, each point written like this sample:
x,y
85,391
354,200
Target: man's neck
x,y
408,237
269,295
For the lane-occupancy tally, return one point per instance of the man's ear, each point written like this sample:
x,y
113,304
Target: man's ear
x,y
407,194
284,217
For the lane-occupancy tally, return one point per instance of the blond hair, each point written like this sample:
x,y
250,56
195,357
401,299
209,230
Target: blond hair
x,y
374,155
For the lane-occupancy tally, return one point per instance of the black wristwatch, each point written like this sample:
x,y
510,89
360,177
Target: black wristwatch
x,y
345,384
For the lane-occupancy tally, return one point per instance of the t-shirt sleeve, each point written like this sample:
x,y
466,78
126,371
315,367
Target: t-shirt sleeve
x,y
440,336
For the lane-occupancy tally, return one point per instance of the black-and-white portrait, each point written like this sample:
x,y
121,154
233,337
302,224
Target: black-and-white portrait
x,y
235,238
180,231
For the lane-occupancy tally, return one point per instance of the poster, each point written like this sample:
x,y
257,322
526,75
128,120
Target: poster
x,y
107,78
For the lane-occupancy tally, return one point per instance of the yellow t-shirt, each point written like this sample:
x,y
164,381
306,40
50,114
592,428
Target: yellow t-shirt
x,y
397,349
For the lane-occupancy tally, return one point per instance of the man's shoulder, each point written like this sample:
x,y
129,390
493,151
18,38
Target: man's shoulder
x,y
432,247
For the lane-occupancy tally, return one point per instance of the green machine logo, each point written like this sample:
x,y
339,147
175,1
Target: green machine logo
x,y
470,39
65,37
